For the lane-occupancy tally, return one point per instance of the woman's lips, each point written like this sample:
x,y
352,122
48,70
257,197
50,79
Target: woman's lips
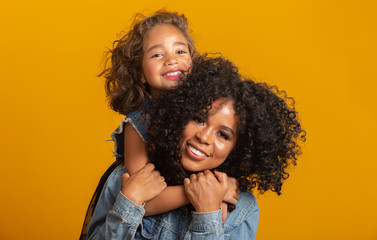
x,y
195,153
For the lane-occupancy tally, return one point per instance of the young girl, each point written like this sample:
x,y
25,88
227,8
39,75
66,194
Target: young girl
x,y
226,123
156,53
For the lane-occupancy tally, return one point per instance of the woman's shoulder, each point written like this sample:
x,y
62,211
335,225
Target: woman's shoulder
x,y
246,210
119,170
115,175
248,199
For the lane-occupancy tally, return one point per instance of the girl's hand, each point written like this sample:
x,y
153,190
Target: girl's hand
x,y
232,193
205,192
143,185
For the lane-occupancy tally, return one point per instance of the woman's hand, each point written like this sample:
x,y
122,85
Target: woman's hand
x,y
232,194
143,185
205,191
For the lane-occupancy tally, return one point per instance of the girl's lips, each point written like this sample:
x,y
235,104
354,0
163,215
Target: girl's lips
x,y
173,74
195,153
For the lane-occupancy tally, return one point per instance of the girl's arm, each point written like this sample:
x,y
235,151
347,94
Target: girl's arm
x,y
163,202
173,197
135,156
170,198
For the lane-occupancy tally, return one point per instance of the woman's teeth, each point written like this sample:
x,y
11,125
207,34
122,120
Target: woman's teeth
x,y
173,73
196,151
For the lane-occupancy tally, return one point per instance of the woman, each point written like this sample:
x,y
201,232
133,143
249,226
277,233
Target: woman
x,y
212,121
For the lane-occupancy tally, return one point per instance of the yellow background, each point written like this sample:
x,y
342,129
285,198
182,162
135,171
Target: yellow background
x,y
54,118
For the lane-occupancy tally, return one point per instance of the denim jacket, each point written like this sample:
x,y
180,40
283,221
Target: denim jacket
x,y
116,217
138,122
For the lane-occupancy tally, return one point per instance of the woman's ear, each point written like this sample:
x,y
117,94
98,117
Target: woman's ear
x,y
143,80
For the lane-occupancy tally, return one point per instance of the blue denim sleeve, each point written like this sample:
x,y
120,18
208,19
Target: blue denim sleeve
x,y
115,216
205,226
240,224
244,220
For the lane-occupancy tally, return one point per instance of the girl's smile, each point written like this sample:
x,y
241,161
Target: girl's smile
x,y
174,74
166,58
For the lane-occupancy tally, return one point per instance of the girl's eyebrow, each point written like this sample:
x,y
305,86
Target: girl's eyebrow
x,y
160,46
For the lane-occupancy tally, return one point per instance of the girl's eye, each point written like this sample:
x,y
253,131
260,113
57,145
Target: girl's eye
x,y
181,52
224,135
156,55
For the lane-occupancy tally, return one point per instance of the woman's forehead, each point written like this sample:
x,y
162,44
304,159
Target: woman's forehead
x,y
219,104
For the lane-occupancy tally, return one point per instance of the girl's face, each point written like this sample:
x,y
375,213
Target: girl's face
x,y
207,142
166,58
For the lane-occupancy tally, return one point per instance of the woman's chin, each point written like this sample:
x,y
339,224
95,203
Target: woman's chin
x,y
191,167
192,170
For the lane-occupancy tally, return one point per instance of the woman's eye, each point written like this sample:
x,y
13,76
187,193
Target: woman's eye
x,y
224,135
181,52
198,120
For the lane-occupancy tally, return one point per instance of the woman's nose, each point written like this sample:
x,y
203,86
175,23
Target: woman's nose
x,y
204,135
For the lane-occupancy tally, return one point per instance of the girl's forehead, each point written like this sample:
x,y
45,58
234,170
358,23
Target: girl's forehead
x,y
161,31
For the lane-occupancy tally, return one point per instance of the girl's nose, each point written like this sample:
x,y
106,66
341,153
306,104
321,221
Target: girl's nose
x,y
171,59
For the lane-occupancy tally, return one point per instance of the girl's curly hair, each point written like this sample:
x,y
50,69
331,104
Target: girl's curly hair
x,y
268,129
123,67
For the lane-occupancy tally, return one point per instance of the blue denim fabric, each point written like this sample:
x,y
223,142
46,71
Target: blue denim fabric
x,y
138,121
116,217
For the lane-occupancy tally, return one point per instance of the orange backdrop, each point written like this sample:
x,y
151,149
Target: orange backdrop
x,y
54,118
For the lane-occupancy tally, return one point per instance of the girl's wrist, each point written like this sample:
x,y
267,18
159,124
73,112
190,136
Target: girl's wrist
x,y
133,197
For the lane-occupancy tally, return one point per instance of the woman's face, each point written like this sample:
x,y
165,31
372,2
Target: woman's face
x,y
207,142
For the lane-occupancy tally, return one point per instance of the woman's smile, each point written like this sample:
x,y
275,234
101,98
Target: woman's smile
x,y
195,153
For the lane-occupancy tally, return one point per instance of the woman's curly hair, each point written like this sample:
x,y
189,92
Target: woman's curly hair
x,y
268,129
123,67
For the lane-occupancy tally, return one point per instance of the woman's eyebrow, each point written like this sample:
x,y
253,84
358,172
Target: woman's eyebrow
x,y
228,129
